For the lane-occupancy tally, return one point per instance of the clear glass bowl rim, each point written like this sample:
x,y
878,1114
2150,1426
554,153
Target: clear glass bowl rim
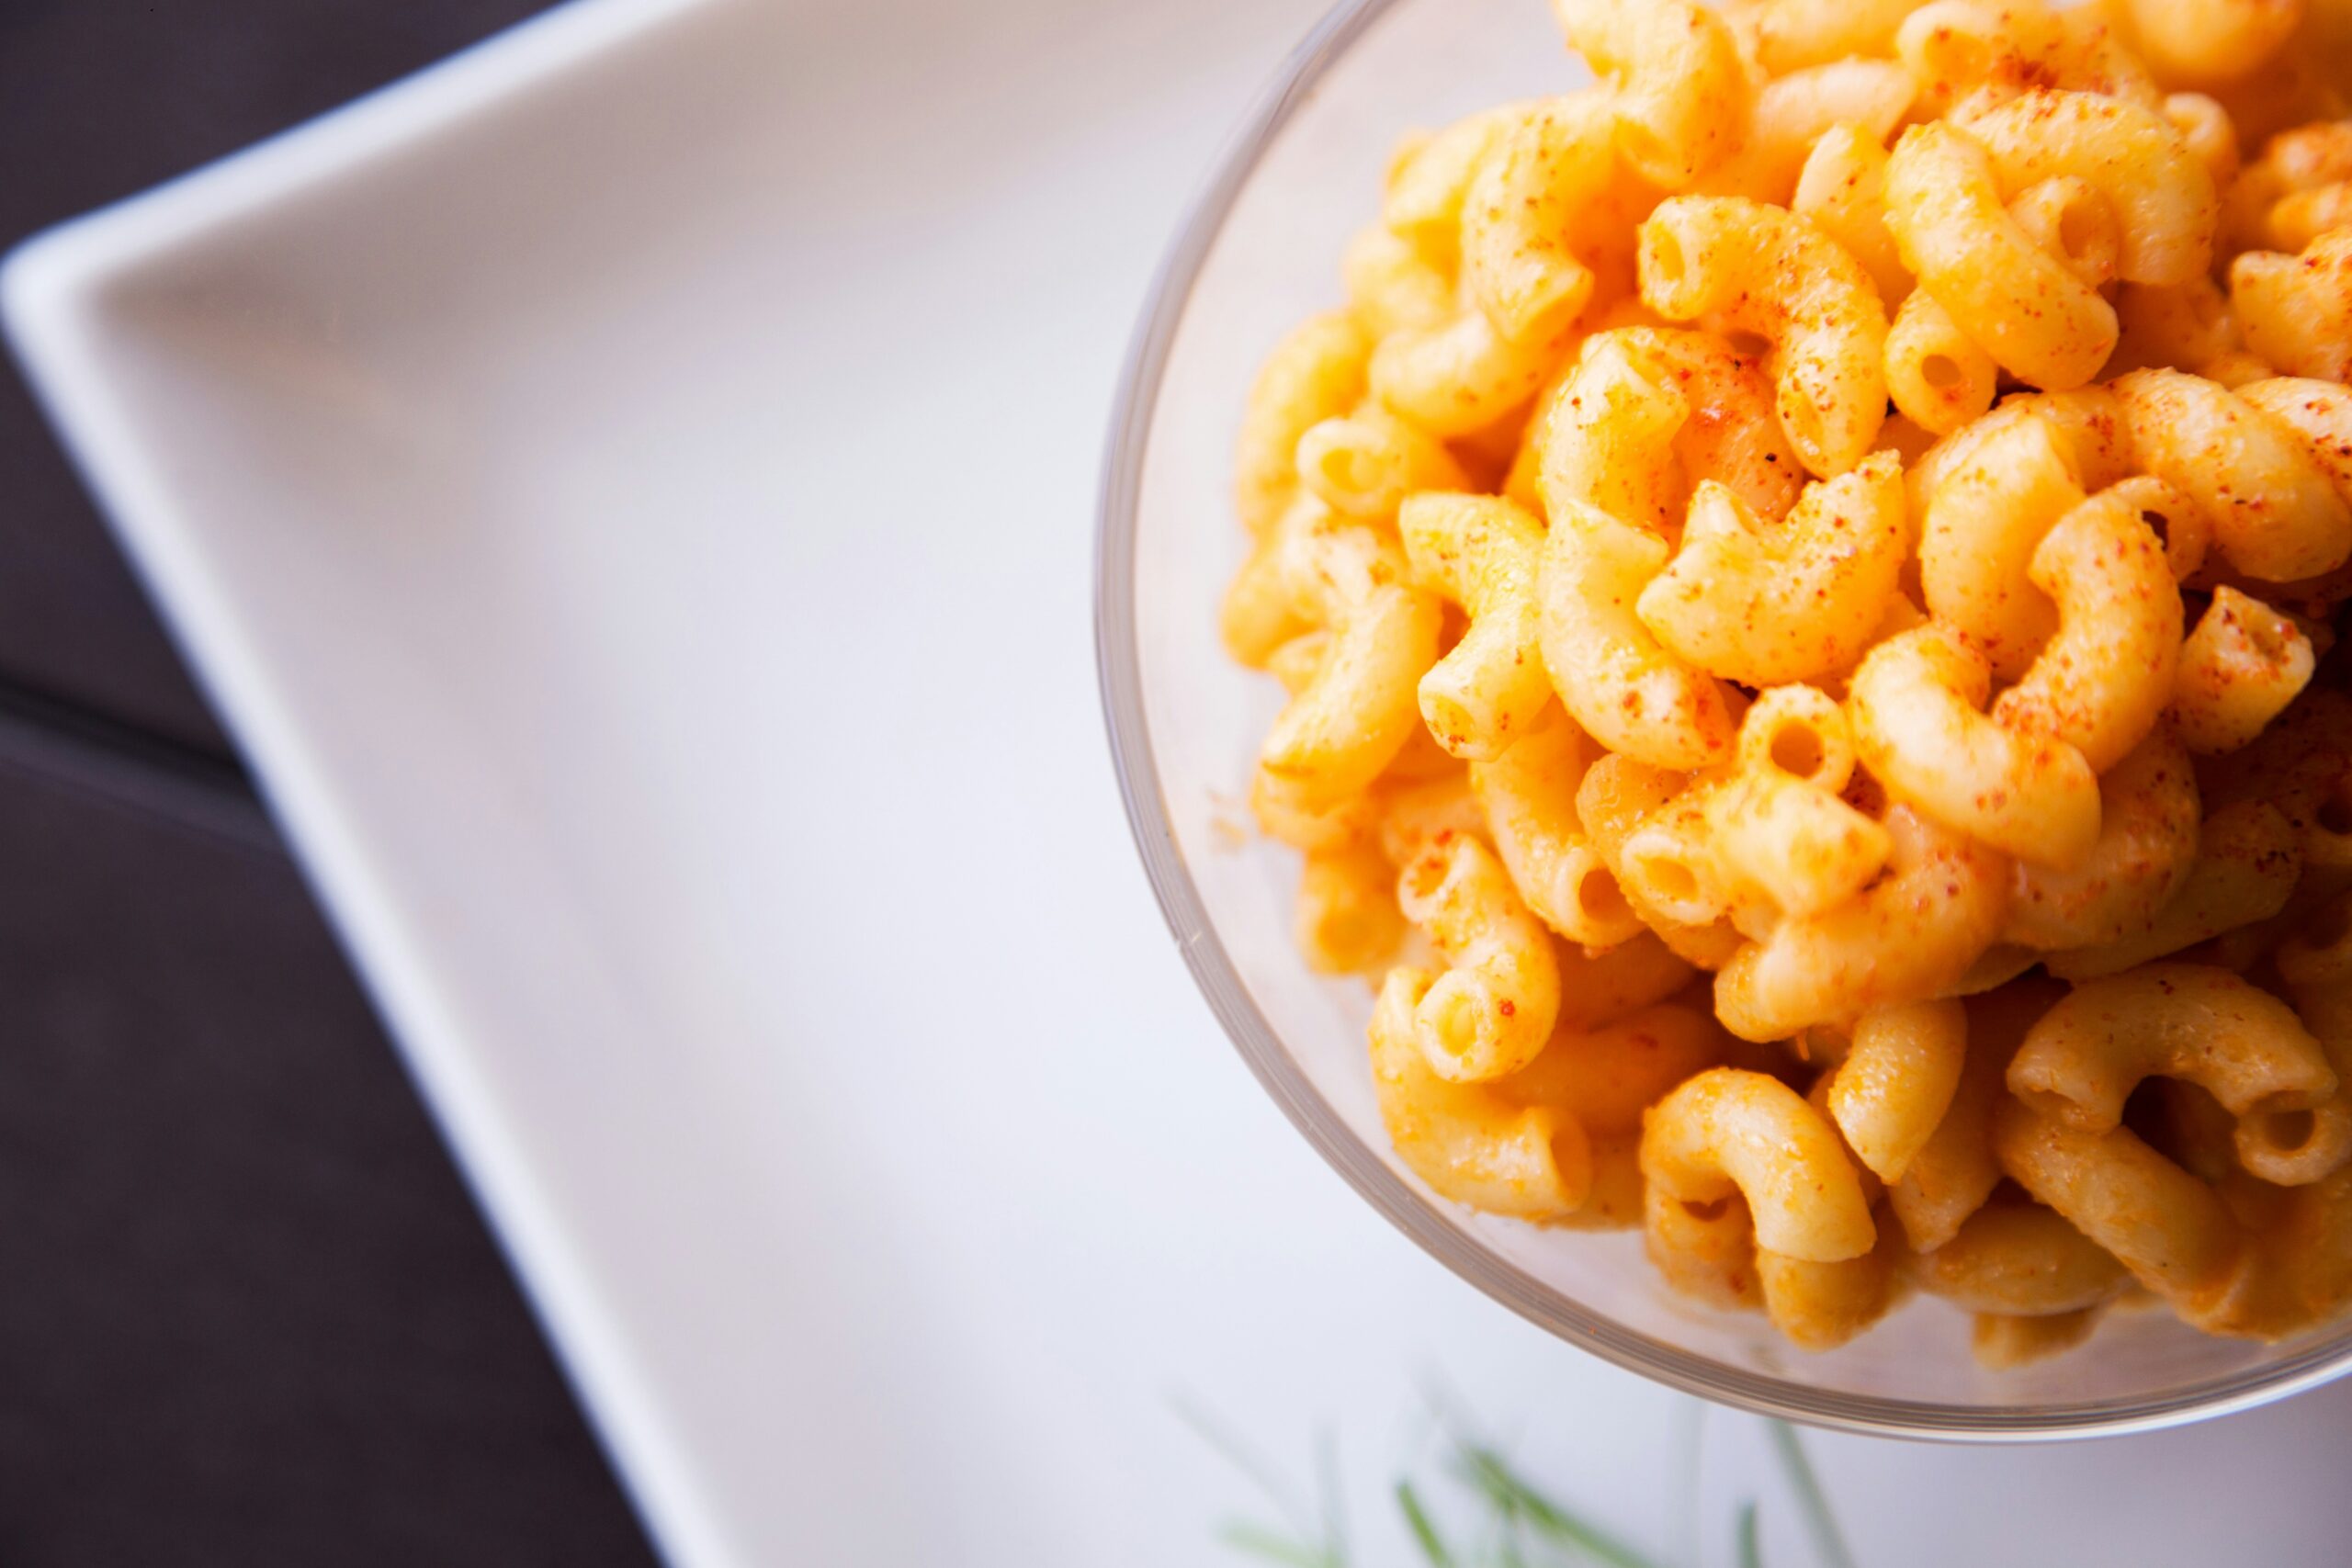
x,y
1120,676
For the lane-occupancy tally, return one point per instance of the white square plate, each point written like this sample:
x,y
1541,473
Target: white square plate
x,y
629,493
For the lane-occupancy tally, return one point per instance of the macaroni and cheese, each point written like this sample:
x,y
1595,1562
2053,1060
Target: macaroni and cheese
x,y
1805,573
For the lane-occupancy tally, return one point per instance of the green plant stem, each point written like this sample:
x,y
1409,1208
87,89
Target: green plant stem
x,y
1750,1554
1486,1471
1813,1504
1424,1529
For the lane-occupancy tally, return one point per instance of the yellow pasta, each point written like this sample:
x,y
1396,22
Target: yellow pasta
x,y
2204,1026
1959,49
1390,284
1841,189
1677,726
2015,300
1470,1142
2248,859
2239,668
1819,1306
2315,965
1797,111
2106,673
1791,35
2320,415
1348,919
1955,1170
1619,681
2211,40
2187,323
1609,1074
1528,798
1897,1080
1763,604
2162,1224
1480,552
1357,711
1601,989
1317,373
1782,826
1763,270
1705,1251
2071,219
2147,846
2209,133
2156,192
1618,796
2020,1260
1519,212
1428,186
1409,818
1935,373
2307,158
1605,437
1726,1131
1984,510
1910,936
2294,309
2002,1343
2277,511
1460,375
1681,93
1917,705
1491,1011
1364,464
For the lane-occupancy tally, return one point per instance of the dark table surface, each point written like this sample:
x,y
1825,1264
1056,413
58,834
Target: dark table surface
x,y
251,1315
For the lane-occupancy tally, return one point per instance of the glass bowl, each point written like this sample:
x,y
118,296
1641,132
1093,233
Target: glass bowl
x,y
1260,250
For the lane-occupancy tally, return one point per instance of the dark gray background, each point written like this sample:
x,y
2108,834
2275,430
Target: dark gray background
x,y
248,1314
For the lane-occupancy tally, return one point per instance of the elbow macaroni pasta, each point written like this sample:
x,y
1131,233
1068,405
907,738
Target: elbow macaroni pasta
x,y
1762,269
2015,300
1473,1143
2203,1026
1529,796
1480,553
1786,36
1918,704
1492,1010
1617,680
1805,574
2147,845
1765,604
1897,1080
1781,826
1911,935
1955,1170
2135,163
2239,668
2106,673
1984,510
1726,1131
2020,1260
1681,93
1518,211
1794,112
1842,190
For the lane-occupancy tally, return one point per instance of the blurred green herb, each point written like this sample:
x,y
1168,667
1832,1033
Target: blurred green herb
x,y
1828,1544
1517,1517
1514,1501
1417,1518
1303,1544
1745,1536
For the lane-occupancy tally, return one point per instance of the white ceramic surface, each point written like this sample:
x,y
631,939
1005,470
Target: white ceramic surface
x,y
629,492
